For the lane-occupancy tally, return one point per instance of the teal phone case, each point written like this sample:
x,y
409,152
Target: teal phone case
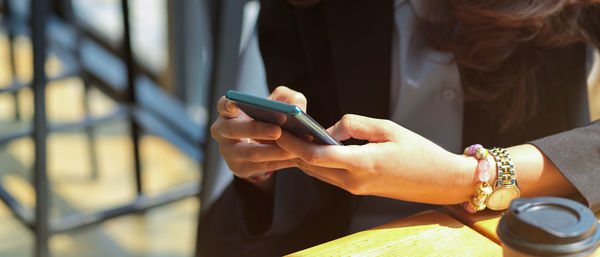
x,y
288,116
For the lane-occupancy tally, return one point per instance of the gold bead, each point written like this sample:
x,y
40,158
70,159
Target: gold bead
x,y
483,188
481,153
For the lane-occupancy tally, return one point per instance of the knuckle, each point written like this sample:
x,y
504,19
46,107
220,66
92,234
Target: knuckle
x,y
271,165
357,166
214,129
301,164
313,158
299,98
374,166
366,165
278,90
227,128
347,120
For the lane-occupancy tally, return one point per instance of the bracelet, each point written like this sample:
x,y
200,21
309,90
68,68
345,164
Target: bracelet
x,y
260,177
482,190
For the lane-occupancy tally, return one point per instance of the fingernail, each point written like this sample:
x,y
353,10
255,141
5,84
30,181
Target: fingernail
x,y
271,131
230,107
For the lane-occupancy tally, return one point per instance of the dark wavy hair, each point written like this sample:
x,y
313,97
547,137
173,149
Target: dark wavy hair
x,y
498,45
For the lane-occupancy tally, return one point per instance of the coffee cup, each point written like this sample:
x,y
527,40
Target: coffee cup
x,y
548,226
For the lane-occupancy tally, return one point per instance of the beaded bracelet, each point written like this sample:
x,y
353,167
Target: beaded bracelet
x,y
483,190
260,177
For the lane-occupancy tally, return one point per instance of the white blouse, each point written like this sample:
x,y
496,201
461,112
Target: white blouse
x,y
426,95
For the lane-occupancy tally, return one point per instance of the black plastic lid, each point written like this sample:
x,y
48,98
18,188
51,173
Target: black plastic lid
x,y
549,226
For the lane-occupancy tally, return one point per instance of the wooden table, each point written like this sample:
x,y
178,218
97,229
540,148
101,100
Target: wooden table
x,y
451,233
411,236
484,222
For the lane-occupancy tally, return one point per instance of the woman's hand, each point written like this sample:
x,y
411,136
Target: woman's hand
x,y
246,144
396,163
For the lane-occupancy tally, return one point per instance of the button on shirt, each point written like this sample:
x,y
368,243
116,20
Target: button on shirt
x,y
426,95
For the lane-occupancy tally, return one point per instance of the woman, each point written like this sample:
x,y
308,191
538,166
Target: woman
x,y
426,81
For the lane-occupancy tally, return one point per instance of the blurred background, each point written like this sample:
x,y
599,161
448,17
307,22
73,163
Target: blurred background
x,y
104,109
120,132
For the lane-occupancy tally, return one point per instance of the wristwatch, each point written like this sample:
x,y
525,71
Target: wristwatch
x,y
506,187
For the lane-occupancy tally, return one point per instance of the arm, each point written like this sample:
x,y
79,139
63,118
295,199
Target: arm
x,y
398,163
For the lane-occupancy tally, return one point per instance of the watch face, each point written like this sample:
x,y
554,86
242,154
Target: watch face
x,y
500,199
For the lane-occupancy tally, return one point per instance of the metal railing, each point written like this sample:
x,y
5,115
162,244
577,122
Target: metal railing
x,y
169,121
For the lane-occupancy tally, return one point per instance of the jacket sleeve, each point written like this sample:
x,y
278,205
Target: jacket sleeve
x,y
302,212
576,154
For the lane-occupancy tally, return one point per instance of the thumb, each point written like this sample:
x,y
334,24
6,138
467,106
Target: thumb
x,y
361,127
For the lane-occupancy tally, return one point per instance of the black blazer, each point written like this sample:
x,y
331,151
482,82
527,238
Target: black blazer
x,y
338,53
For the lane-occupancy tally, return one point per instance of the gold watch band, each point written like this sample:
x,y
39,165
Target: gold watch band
x,y
506,167
506,188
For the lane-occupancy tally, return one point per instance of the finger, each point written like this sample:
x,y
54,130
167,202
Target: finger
x,y
319,155
241,128
361,127
287,95
257,152
226,107
249,169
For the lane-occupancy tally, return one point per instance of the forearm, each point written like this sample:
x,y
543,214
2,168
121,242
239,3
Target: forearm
x,y
397,163
536,174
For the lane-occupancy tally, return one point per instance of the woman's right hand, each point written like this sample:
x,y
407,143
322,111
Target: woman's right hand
x,y
248,145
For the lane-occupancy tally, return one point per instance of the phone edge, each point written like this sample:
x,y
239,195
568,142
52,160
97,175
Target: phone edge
x,y
318,129
262,102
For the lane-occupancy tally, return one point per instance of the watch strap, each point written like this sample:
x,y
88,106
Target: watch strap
x,y
505,167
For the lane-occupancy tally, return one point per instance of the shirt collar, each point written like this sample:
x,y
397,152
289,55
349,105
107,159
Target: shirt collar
x,y
418,5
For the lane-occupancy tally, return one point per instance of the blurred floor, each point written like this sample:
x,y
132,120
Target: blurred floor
x,y
163,231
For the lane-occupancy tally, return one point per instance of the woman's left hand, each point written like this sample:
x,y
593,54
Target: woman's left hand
x,y
396,163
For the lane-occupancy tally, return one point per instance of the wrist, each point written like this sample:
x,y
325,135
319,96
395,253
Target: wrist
x,y
267,185
466,168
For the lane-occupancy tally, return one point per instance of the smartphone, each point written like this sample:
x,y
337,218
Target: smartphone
x,y
288,116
